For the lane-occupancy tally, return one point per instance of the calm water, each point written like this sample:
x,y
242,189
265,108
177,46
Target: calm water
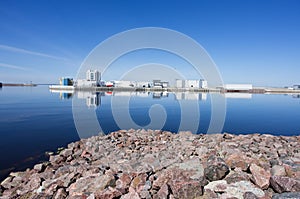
x,y
34,120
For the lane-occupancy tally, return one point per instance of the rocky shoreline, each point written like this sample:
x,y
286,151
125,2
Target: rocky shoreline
x,y
137,164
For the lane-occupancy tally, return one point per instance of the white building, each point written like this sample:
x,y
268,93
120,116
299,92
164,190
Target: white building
x,y
238,87
93,78
143,84
179,83
93,75
124,84
203,83
296,87
191,83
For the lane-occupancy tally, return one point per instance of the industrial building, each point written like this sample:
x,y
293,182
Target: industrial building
x,y
160,84
93,78
237,87
191,83
143,84
296,87
124,84
66,81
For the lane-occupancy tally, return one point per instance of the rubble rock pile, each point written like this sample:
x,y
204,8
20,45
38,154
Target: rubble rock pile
x,y
137,164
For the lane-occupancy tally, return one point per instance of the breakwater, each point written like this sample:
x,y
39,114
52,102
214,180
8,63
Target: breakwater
x,y
160,164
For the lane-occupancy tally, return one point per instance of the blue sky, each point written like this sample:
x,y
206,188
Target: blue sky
x,y
250,41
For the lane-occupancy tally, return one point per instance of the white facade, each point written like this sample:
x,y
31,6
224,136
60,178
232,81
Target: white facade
x,y
191,83
93,75
203,83
179,83
124,84
85,83
240,87
142,84
296,87
92,79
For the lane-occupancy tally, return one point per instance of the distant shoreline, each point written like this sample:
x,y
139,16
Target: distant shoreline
x,y
17,84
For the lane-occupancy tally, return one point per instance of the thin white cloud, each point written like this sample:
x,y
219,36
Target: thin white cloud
x,y
14,67
21,50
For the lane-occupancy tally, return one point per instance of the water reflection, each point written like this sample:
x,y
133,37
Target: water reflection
x,y
65,95
150,110
93,99
296,96
190,96
180,111
238,95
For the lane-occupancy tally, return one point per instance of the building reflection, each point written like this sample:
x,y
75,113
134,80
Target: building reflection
x,y
158,95
238,95
93,99
65,95
190,96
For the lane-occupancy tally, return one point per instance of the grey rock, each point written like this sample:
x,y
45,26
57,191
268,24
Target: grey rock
x,y
250,195
6,183
287,195
216,169
283,184
237,189
236,175
39,167
278,170
193,166
66,152
91,184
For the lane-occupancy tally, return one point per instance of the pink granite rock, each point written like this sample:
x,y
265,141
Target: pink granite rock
x,y
283,184
260,176
163,192
238,160
132,194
